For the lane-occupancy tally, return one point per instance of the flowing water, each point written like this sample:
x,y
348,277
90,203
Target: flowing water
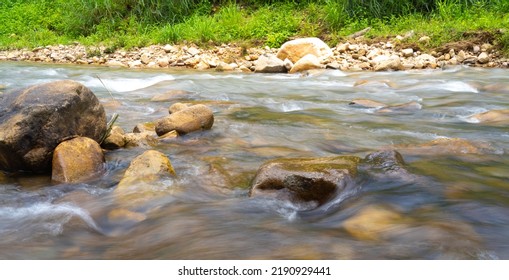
x,y
454,203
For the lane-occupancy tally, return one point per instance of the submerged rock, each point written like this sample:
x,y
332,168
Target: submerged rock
x,y
142,176
495,117
34,120
77,160
296,49
406,108
304,180
446,146
367,103
193,118
373,222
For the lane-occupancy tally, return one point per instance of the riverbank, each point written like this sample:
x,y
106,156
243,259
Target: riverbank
x,y
355,54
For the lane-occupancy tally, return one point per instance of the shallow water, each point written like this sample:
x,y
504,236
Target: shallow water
x,y
453,205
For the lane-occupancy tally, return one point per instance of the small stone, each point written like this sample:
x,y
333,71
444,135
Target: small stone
x,y
476,49
115,139
483,58
407,52
169,49
306,63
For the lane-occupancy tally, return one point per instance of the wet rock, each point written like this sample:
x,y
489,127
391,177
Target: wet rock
x,y
445,146
144,172
304,180
495,117
170,95
367,103
123,216
34,120
115,139
170,135
144,127
193,118
298,48
307,62
373,223
269,63
140,139
177,107
388,165
77,160
405,108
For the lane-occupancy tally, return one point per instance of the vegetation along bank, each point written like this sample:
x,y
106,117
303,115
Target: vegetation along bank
x,y
233,35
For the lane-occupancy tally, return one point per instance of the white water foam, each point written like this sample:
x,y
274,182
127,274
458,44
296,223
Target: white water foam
x,y
42,218
126,84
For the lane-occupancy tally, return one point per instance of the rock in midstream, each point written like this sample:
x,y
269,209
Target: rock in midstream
x,y
193,118
304,180
34,120
77,160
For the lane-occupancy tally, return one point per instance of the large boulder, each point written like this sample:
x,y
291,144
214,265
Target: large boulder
x,y
77,160
34,120
304,180
193,118
296,49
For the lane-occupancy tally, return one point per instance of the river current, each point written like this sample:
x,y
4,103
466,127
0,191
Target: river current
x,y
455,204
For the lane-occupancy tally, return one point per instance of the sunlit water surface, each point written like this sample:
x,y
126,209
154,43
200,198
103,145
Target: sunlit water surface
x,y
454,206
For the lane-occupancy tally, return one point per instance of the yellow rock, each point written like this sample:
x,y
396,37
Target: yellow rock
x,y
124,215
298,48
367,103
500,117
372,222
77,160
142,179
307,62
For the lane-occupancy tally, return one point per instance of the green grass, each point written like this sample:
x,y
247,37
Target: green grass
x,y
129,23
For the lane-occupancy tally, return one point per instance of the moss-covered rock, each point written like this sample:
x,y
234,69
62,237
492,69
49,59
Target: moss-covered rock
x,y
304,179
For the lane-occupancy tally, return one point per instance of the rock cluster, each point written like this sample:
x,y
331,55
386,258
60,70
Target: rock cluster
x,y
353,55
34,120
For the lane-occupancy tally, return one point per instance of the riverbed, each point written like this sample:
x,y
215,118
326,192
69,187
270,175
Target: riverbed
x,y
453,205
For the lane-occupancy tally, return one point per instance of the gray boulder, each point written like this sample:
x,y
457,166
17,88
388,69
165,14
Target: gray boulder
x,y
34,120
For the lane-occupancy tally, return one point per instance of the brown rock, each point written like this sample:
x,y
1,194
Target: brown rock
x,y
143,174
115,139
298,48
77,160
495,117
144,127
373,222
404,108
301,180
177,107
367,103
34,120
193,118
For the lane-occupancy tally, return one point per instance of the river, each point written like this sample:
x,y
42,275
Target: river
x,y
454,206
